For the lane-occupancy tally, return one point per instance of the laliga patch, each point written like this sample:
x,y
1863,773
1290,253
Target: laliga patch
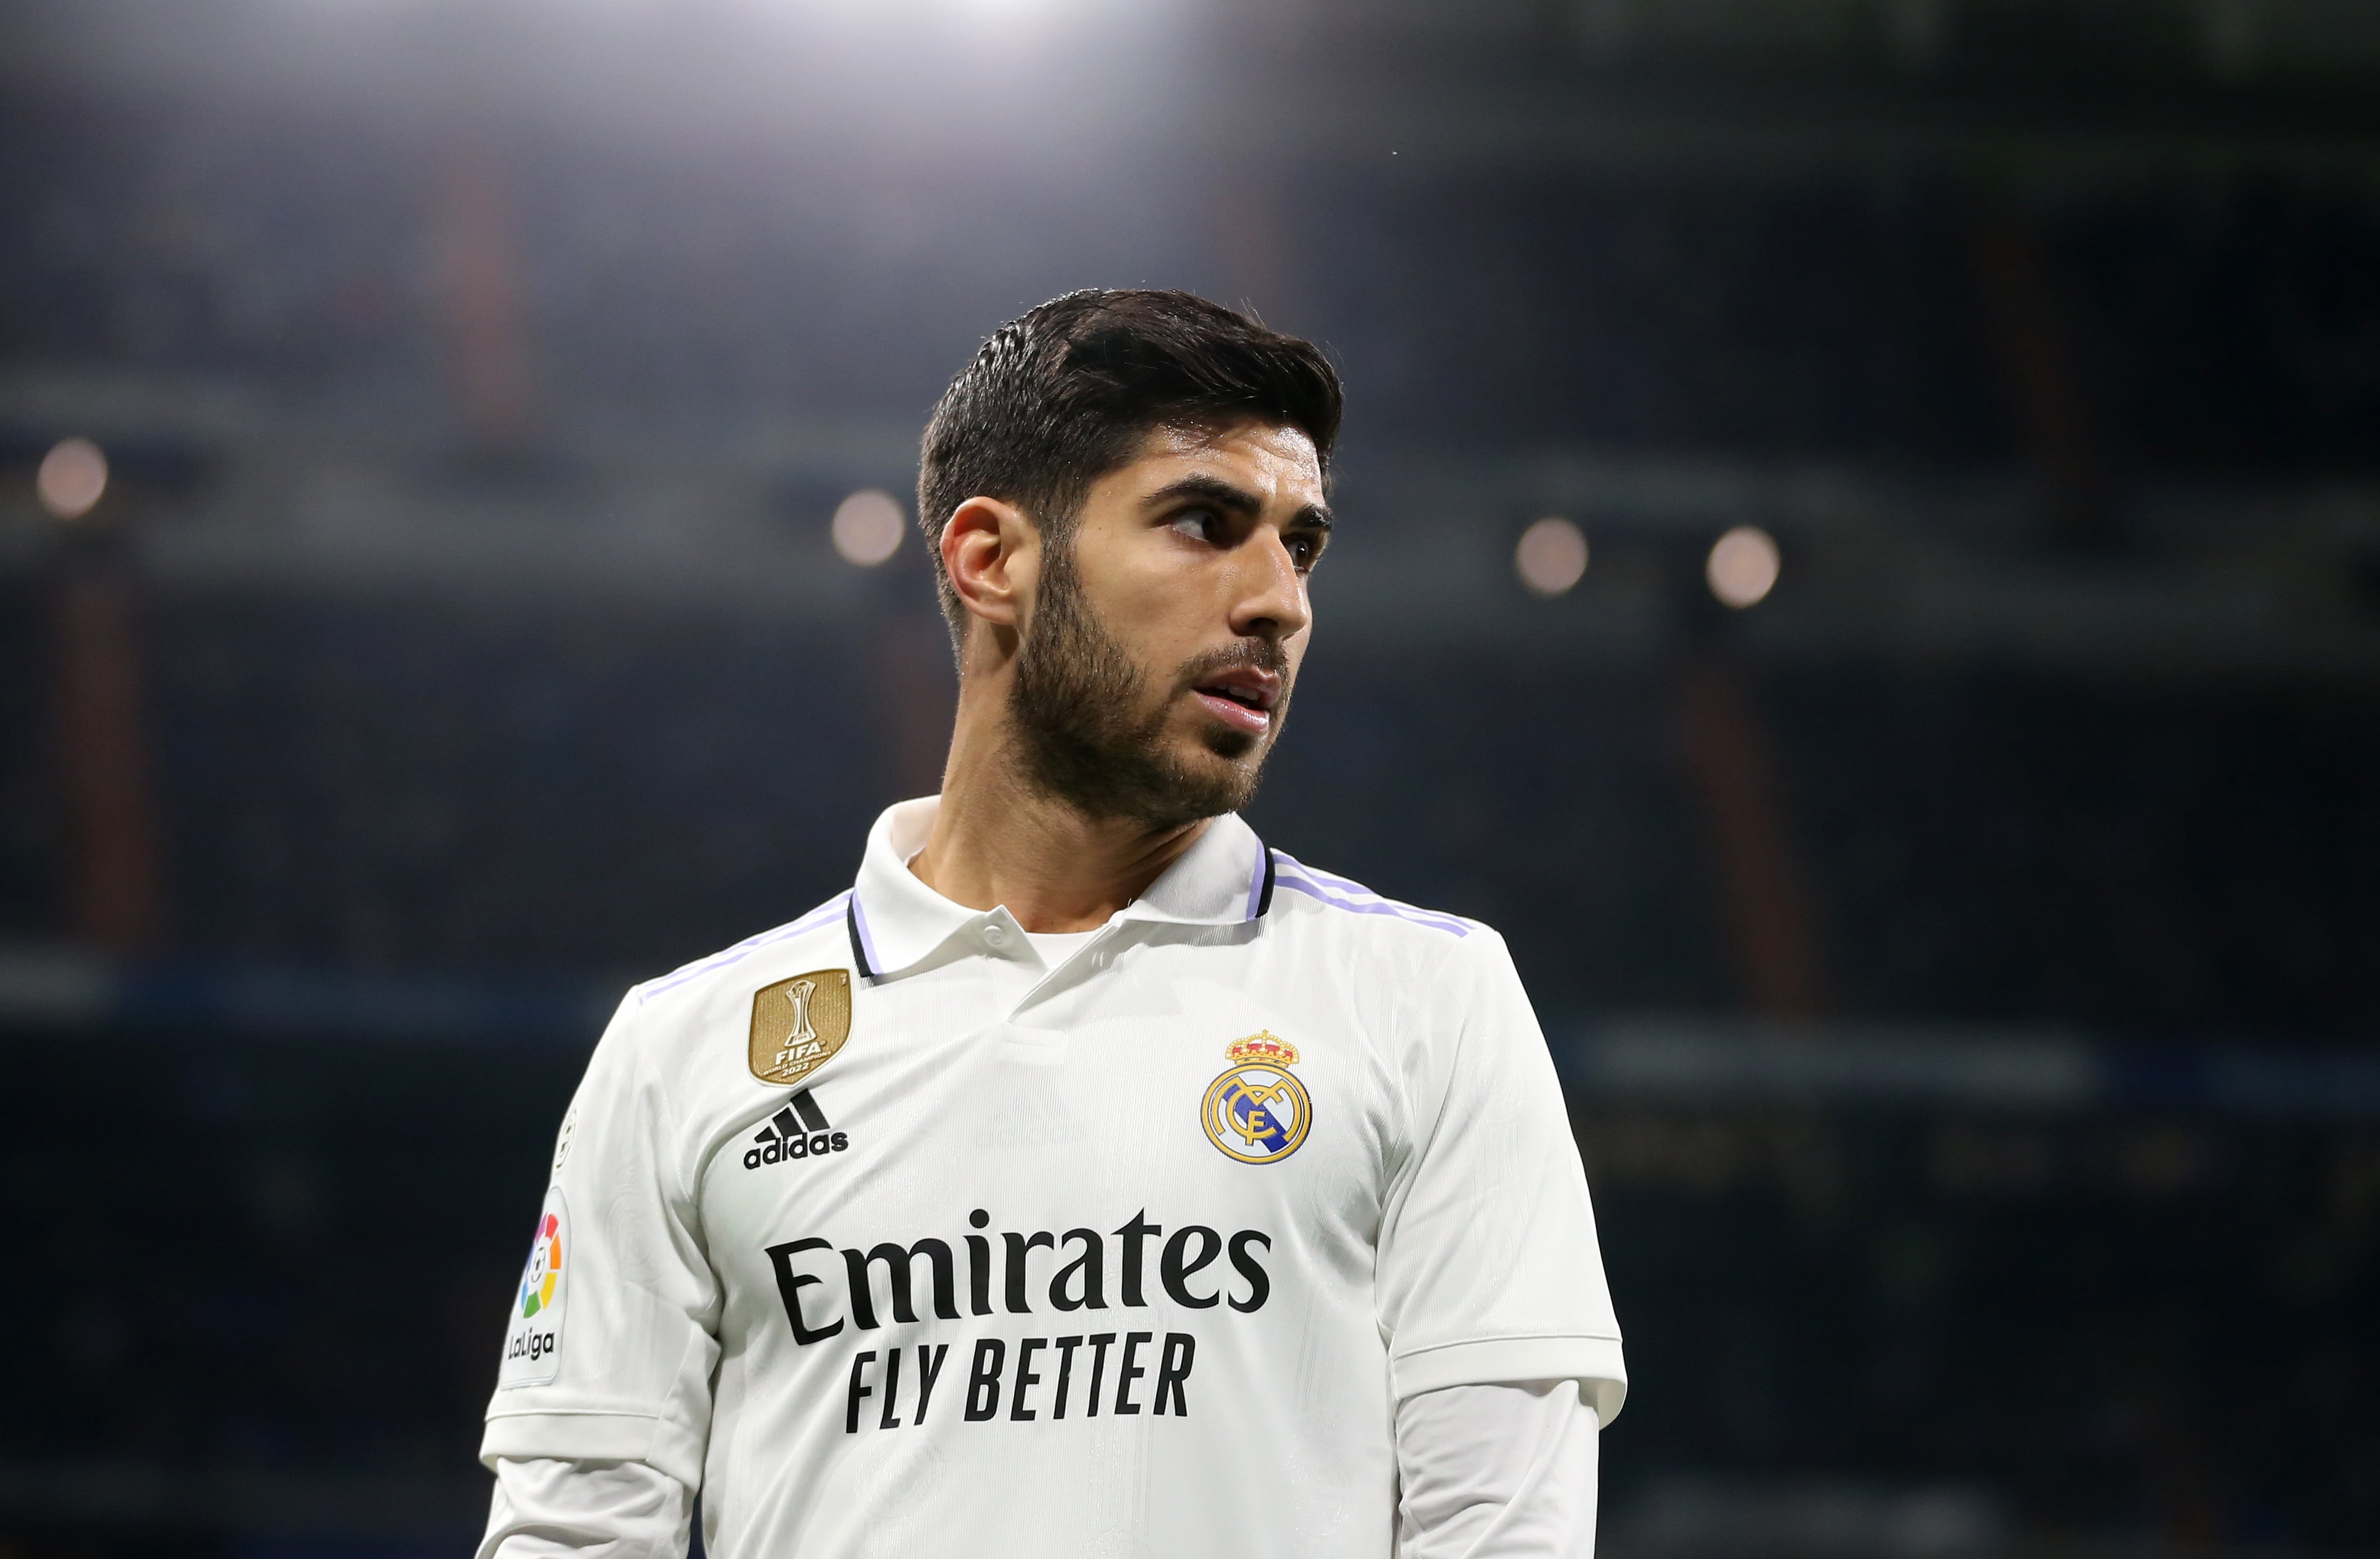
x,y
1257,1112
533,1341
798,1024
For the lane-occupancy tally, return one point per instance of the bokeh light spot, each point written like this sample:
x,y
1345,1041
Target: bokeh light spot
x,y
73,475
867,527
1552,557
1743,565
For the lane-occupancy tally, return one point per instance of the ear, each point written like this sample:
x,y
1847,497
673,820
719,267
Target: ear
x,y
992,553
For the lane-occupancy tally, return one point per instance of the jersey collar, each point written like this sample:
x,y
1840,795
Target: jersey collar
x,y
897,923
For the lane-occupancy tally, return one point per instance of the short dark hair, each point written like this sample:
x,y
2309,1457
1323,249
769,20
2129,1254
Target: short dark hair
x,y
1064,394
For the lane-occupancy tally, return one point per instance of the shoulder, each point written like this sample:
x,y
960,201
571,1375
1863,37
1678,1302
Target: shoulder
x,y
1326,904
1418,983
814,939
672,1070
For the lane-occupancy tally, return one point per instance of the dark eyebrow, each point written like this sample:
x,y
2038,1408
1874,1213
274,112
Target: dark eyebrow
x,y
1239,500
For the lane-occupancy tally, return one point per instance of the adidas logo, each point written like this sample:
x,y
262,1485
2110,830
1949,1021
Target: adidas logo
x,y
798,1131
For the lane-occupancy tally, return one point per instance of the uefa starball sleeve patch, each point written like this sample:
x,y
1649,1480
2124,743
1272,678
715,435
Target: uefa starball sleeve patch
x,y
533,1341
1257,1112
798,1024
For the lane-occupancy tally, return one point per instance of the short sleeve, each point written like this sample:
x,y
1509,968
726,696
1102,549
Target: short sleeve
x,y
611,1336
1488,1268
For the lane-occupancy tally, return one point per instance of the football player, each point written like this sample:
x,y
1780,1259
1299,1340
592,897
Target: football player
x,y
1091,1177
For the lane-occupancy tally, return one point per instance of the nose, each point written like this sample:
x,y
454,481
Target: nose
x,y
1271,602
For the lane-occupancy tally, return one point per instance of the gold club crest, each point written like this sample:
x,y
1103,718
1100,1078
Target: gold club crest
x,y
1262,1045
1257,1112
798,1024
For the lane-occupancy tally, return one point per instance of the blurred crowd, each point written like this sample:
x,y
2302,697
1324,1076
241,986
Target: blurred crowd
x,y
272,1266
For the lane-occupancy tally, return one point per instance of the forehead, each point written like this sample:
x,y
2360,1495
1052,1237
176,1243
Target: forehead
x,y
1277,462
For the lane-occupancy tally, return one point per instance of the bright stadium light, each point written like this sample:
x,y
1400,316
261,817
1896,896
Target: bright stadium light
x,y
867,527
1005,10
1742,566
72,476
1552,557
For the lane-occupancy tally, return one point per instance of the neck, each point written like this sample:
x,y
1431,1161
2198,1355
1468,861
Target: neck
x,y
998,839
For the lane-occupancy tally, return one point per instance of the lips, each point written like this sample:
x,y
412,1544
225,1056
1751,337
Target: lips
x,y
1243,697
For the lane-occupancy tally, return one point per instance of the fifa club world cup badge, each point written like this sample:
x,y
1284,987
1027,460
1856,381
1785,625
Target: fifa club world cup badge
x,y
1257,1112
798,1024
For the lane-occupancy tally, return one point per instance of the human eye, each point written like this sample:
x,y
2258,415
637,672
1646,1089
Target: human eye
x,y
1305,549
1201,525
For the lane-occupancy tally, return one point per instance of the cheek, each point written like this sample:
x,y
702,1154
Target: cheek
x,y
1162,612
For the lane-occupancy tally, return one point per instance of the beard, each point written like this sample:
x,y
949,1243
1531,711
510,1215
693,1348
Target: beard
x,y
1074,706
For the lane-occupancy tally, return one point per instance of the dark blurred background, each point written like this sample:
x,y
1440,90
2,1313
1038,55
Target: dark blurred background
x,y
1937,823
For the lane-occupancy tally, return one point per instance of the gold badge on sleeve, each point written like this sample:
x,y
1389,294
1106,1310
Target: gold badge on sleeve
x,y
1257,1112
798,1024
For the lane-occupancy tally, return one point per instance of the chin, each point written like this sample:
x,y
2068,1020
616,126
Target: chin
x,y
1233,746
1229,778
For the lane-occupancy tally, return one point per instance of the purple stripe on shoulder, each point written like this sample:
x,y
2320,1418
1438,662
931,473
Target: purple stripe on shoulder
x,y
823,915
1326,879
1334,879
1379,906
1334,888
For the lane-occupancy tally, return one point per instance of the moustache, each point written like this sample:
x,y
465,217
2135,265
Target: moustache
x,y
1262,656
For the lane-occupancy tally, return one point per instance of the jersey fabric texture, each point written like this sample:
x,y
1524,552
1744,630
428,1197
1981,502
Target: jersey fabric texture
x,y
1138,1254
1495,1471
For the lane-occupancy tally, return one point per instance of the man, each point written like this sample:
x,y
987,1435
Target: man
x,y
1089,1180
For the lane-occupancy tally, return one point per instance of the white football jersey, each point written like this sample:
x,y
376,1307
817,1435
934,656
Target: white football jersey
x,y
894,1241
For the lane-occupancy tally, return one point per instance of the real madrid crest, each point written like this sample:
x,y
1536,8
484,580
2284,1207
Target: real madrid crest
x,y
1257,1112
798,1024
